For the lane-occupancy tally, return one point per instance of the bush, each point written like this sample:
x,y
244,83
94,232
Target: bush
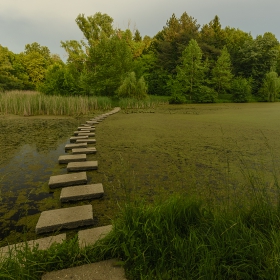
x,y
241,90
205,94
177,99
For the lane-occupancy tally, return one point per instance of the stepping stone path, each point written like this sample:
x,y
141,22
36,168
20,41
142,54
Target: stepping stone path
x,y
72,217
68,180
82,166
81,192
88,141
84,151
74,139
83,133
74,188
73,146
69,158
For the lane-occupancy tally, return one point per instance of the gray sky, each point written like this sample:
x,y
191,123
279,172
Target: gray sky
x,y
50,21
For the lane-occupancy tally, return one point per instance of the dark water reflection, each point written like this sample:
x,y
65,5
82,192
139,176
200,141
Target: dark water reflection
x,y
30,151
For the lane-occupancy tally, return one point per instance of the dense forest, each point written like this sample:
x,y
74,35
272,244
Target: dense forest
x,y
186,61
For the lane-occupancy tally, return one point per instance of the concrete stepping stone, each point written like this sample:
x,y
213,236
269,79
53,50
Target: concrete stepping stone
x,y
84,151
42,243
87,129
82,166
81,131
91,122
81,192
73,146
68,218
68,180
69,158
73,139
89,141
104,270
86,133
90,236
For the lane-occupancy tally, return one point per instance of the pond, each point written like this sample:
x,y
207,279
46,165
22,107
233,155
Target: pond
x,y
210,151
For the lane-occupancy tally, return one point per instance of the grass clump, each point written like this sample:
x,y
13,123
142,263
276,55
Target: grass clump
x,y
183,239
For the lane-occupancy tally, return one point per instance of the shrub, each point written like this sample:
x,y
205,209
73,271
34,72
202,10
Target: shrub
x,y
241,90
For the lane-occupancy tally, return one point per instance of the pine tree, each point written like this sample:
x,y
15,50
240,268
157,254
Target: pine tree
x,y
221,73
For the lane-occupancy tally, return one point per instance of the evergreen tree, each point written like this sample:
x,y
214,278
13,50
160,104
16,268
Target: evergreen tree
x,y
192,71
221,73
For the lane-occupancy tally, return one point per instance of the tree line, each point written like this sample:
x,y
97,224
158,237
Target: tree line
x,y
186,61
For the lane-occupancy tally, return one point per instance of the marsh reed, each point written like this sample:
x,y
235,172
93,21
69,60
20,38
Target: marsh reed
x,y
28,103
149,103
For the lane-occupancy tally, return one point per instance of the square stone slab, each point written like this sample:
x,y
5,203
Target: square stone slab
x,y
81,192
42,243
71,217
66,180
81,131
87,129
82,166
84,151
86,133
73,146
90,236
105,270
73,139
89,141
69,158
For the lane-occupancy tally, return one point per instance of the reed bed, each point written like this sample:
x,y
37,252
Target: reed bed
x,y
148,103
35,103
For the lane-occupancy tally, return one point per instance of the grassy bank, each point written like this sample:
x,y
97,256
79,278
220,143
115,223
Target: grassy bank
x,y
180,238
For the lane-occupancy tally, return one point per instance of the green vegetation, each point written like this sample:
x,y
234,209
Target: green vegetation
x,y
194,188
180,238
185,61
35,103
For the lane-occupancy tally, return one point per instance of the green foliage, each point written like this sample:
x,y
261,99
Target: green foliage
x,y
59,81
270,88
96,27
241,90
8,79
131,88
191,72
259,57
177,99
205,94
108,63
221,73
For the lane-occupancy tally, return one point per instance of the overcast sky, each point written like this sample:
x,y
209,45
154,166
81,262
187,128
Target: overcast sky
x,y
50,21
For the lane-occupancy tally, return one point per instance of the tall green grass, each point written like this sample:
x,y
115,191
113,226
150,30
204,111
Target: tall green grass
x,y
180,238
149,103
30,104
